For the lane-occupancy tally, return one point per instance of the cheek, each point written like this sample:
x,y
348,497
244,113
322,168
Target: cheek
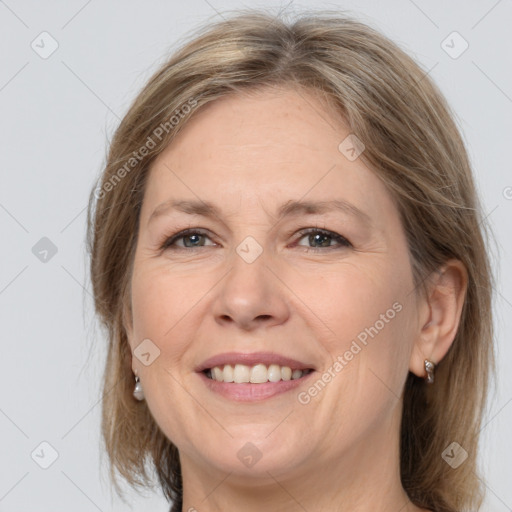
x,y
364,312
161,303
352,297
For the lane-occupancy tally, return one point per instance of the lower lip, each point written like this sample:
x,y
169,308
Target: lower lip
x,y
247,392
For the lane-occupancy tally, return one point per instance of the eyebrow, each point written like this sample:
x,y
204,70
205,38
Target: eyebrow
x,y
291,208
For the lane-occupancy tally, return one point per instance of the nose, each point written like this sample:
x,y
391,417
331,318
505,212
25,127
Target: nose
x,y
251,296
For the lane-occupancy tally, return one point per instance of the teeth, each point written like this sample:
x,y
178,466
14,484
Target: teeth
x,y
274,373
286,373
227,373
257,374
296,374
241,373
218,374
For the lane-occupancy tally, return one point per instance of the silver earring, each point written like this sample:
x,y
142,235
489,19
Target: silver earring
x,y
138,393
429,368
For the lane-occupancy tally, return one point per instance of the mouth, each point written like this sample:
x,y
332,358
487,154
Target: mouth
x,y
253,377
255,374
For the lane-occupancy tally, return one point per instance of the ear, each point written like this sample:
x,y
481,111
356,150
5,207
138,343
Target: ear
x,y
439,315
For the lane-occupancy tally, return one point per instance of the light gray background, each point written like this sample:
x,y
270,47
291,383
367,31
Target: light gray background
x,y
57,115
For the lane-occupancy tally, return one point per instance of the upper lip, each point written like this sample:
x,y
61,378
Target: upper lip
x,y
251,359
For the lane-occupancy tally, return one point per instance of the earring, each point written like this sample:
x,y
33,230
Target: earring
x,y
138,393
429,368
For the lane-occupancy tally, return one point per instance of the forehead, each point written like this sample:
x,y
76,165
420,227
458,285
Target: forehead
x,y
253,122
249,150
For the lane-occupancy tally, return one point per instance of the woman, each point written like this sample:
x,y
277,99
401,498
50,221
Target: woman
x,y
288,253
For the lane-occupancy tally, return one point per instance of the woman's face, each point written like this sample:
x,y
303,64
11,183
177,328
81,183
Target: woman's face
x,y
295,260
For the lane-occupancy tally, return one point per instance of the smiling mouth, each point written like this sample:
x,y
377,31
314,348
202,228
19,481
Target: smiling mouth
x,y
256,374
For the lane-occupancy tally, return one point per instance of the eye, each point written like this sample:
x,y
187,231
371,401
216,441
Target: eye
x,y
324,238
190,237
193,238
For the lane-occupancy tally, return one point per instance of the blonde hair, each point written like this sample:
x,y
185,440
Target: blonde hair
x,y
412,144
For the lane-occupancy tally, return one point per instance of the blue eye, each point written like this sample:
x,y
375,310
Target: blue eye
x,y
321,236
195,238
188,234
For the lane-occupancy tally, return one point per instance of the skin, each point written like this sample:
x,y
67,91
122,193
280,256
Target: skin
x,y
248,154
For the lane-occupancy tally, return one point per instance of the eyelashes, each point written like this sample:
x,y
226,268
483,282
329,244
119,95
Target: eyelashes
x,y
341,240
314,234
170,241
